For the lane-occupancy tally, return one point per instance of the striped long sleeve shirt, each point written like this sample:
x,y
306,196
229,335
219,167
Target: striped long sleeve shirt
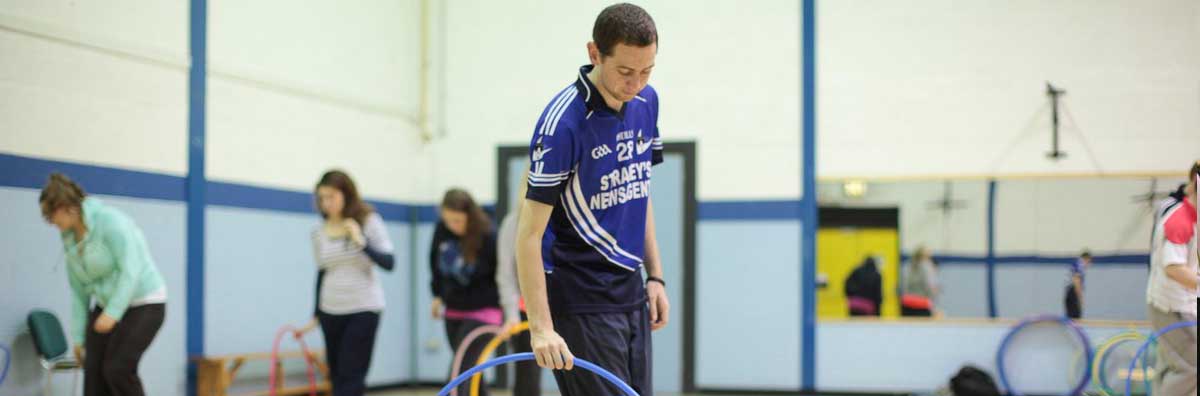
x,y
347,281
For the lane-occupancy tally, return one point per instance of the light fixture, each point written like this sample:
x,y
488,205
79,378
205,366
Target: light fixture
x,y
854,188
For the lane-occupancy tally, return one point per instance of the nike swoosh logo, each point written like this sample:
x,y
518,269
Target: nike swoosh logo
x,y
539,153
642,147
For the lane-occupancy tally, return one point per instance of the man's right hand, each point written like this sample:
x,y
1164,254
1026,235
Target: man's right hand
x,y
551,350
79,354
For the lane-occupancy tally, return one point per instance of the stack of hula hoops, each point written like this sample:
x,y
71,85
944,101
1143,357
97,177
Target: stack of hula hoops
x,y
1120,365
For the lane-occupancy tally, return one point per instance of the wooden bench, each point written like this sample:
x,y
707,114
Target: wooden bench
x,y
214,374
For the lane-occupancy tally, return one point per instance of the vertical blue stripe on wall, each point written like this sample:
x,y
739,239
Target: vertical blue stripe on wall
x,y
198,46
808,270
991,248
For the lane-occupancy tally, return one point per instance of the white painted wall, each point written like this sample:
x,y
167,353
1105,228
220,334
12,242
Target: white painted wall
x,y
885,77
97,83
734,91
955,87
293,91
296,90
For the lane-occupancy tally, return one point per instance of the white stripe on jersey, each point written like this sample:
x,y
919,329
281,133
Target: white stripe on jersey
x,y
574,93
544,184
547,176
591,220
548,180
585,86
585,233
558,102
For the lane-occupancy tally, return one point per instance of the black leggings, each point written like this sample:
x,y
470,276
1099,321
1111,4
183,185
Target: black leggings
x,y
110,366
1074,308
349,341
456,331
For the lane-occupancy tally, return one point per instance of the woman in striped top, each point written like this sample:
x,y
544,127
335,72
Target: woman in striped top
x,y
348,246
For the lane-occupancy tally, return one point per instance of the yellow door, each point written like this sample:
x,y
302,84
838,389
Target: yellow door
x,y
840,250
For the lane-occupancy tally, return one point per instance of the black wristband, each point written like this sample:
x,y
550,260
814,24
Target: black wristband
x,y
656,279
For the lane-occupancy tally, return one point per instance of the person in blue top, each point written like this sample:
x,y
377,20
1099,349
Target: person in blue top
x,y
589,193
119,297
1073,300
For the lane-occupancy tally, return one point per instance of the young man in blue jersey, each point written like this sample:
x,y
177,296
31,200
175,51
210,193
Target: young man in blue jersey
x,y
587,227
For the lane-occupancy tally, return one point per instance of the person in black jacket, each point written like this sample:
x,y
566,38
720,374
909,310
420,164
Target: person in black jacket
x,y
462,261
864,289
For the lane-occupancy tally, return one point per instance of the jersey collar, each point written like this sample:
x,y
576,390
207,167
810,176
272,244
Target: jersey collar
x,y
592,97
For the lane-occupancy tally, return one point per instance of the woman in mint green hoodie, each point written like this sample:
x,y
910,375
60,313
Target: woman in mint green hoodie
x,y
119,298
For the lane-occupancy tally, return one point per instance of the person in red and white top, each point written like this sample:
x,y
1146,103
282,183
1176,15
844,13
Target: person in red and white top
x,y
1171,291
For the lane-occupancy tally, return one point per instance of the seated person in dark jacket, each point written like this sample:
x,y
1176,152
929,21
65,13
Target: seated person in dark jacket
x,y
864,289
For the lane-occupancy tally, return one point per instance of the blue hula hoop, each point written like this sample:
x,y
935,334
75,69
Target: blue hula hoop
x,y
1103,362
517,357
1145,345
7,362
1083,338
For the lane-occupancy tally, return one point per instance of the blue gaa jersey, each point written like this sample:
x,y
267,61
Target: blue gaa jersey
x,y
593,165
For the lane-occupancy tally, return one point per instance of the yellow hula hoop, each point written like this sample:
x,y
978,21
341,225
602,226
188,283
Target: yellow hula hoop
x,y
491,347
1130,335
1104,349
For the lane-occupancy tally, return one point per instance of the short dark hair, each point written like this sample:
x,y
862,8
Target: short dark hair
x,y
1087,254
1195,172
623,23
